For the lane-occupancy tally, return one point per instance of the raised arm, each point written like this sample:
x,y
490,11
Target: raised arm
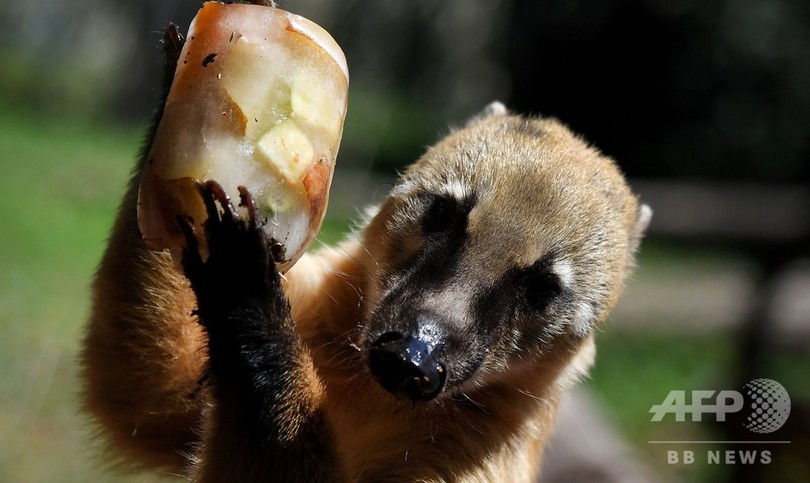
x,y
264,423
142,355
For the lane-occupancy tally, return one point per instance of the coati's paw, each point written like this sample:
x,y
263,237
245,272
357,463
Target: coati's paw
x,y
238,264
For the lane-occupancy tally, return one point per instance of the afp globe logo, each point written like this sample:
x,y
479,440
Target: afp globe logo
x,y
768,405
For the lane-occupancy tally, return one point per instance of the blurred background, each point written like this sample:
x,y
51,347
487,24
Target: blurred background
x,y
704,105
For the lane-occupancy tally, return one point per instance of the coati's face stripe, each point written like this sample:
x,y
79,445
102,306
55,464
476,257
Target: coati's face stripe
x,y
425,289
505,240
582,312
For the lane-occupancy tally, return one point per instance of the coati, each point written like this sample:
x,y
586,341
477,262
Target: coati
x,y
433,344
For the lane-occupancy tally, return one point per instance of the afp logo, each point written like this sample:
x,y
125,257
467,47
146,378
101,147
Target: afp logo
x,y
764,405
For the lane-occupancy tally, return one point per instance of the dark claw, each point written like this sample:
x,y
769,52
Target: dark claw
x,y
210,206
247,201
229,213
173,42
212,193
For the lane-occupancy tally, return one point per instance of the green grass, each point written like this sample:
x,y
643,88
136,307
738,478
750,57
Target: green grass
x,y
58,191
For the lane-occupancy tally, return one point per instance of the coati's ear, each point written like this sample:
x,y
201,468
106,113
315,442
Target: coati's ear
x,y
495,108
643,218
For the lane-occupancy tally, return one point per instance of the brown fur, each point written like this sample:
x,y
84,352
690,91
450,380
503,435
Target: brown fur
x,y
540,190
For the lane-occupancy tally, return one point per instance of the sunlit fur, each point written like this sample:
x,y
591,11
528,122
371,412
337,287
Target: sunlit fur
x,y
540,193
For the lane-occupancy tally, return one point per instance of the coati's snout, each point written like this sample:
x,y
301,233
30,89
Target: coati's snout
x,y
417,354
409,366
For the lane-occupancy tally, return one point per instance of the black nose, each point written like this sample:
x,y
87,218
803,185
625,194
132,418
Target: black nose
x,y
407,367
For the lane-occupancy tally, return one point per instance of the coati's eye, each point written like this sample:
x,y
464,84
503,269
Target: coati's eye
x,y
442,214
540,286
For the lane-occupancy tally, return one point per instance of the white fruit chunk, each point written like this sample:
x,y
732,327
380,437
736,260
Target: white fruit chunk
x,y
258,100
309,104
255,87
287,150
